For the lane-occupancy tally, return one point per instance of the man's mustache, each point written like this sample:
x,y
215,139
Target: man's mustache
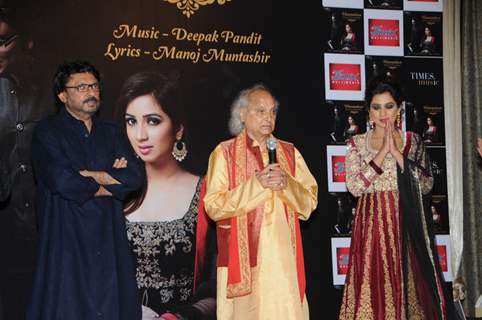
x,y
94,99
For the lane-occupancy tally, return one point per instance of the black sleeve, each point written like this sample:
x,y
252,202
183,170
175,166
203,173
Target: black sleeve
x,y
130,178
53,168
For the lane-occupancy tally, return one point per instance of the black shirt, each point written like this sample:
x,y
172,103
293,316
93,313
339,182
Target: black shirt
x,y
84,267
21,108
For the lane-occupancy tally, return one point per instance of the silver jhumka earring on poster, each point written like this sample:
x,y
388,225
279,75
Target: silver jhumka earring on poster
x,y
179,150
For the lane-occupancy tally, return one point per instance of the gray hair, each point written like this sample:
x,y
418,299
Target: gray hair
x,y
242,101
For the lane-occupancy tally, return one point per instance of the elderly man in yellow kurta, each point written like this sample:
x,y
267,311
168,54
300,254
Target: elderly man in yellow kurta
x,y
257,207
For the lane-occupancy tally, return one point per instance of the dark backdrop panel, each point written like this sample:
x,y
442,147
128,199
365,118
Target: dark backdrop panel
x,y
292,36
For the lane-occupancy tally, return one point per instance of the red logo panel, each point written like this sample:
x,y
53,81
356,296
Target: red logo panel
x,y
345,76
338,168
384,32
442,257
342,258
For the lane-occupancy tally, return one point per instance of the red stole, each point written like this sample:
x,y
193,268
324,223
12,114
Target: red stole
x,y
201,232
238,236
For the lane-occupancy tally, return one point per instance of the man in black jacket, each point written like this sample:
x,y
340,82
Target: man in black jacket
x,y
21,107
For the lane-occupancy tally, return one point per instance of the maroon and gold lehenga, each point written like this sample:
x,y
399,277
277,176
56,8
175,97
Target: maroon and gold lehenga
x,y
392,273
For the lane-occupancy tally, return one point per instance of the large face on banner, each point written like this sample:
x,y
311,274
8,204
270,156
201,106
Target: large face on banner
x,y
149,129
10,47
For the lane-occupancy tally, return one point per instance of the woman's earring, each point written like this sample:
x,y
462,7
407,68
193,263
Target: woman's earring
x,y
397,121
179,150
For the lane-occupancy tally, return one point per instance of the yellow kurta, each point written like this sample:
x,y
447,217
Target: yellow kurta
x,y
275,293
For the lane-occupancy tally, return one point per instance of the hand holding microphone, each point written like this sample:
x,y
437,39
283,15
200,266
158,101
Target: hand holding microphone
x,y
273,176
271,146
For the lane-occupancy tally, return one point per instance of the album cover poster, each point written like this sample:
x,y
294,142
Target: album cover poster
x,y
345,30
439,212
348,119
423,86
345,213
338,120
384,66
384,4
344,76
423,81
423,34
383,32
423,5
439,169
356,121
354,4
434,128
416,118
336,168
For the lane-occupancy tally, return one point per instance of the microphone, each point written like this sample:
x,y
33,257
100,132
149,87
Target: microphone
x,y
271,145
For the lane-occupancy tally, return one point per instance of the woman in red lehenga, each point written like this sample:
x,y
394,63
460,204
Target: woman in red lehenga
x,y
393,271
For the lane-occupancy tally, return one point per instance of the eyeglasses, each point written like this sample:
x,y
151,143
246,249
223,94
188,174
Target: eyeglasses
x,y
84,87
5,41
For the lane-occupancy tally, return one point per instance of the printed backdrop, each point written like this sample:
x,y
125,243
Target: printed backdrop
x,y
401,40
316,56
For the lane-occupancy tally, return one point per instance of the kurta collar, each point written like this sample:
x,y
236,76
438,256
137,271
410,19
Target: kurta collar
x,y
251,143
76,123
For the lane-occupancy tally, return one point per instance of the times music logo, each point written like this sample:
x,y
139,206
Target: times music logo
x,y
384,32
345,76
338,168
425,78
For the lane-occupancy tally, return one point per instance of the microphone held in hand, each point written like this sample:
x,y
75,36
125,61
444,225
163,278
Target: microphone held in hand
x,y
271,145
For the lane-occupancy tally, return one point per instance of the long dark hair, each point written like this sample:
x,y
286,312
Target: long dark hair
x,y
166,92
382,84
